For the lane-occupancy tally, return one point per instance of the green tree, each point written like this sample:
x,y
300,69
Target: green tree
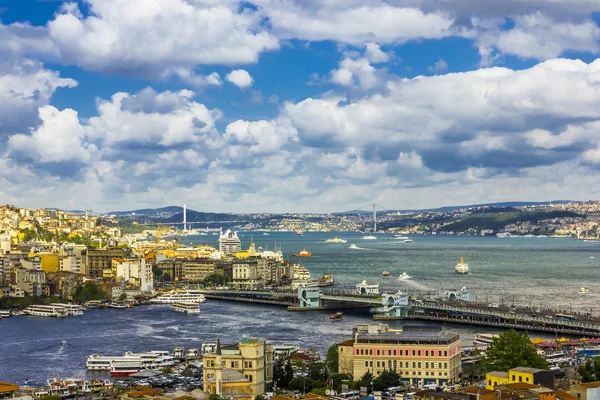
x,y
590,371
288,373
317,371
366,380
303,384
510,350
123,296
98,221
332,359
386,379
89,291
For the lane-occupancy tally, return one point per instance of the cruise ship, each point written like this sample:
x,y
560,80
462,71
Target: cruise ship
x,y
186,308
190,296
46,311
336,240
462,267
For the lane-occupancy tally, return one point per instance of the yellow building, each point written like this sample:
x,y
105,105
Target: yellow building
x,y
427,354
226,368
49,261
495,378
531,376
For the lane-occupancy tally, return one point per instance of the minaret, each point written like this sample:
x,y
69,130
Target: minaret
x,y
218,368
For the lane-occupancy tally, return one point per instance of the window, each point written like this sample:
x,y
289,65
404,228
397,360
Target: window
x,y
520,379
419,364
445,353
366,364
426,353
405,352
439,353
445,365
414,364
419,353
395,365
390,364
426,365
390,352
490,382
378,352
377,364
370,352
371,364
527,379
413,353
394,351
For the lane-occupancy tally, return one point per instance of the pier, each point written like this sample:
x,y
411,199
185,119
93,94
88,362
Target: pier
x,y
453,307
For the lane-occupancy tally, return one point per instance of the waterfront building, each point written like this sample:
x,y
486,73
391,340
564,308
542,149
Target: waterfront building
x,y
245,275
70,263
100,259
229,242
198,269
171,269
251,359
427,354
31,281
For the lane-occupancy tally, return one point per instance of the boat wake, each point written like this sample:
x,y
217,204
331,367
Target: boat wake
x,y
359,248
416,285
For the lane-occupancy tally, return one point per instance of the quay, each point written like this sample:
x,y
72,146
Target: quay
x,y
454,307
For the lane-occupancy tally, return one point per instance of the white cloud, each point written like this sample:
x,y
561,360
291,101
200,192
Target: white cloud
x,y
439,66
261,137
26,85
191,78
240,78
374,53
58,139
126,36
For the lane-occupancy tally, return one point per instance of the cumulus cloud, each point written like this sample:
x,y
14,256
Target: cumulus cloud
x,y
59,139
121,37
439,66
240,78
25,85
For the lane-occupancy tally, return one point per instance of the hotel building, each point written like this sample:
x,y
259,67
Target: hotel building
x,y
426,354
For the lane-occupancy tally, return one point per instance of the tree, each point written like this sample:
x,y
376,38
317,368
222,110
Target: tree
x,y
302,384
366,380
87,292
123,296
386,379
288,373
332,359
510,350
590,371
317,372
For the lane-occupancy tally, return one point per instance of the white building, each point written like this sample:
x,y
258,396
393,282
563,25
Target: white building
x,y
229,242
70,264
5,243
135,271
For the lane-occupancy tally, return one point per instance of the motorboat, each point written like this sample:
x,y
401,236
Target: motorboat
x,y
118,306
336,240
186,308
303,253
584,290
401,237
338,316
63,343
404,276
385,273
407,240
369,237
462,267
353,246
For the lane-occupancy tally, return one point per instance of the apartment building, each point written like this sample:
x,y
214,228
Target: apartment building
x,y
98,260
421,354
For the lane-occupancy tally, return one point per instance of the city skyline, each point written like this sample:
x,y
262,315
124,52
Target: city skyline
x,y
282,106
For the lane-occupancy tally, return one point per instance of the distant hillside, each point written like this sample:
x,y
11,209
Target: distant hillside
x,y
195,216
150,212
498,221
502,204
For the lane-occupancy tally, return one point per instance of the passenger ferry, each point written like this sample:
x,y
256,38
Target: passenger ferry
x,y
369,237
46,311
364,288
336,240
186,308
486,338
192,353
326,280
125,367
462,267
71,309
190,296
98,362
118,306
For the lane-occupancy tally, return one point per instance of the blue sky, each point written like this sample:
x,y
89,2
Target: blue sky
x,y
282,105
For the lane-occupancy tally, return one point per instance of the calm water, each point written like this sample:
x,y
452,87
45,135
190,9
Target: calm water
x,y
547,272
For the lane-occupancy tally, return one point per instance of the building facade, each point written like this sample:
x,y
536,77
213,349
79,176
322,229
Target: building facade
x,y
251,357
98,260
420,354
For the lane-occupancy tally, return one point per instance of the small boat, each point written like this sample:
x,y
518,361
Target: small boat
x,y
118,306
584,290
462,267
592,257
385,273
353,246
407,240
299,233
63,343
338,316
401,238
369,237
266,233
404,276
303,253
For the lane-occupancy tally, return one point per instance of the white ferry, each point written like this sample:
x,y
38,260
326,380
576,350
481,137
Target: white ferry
x,y
336,240
190,296
462,267
186,308
192,353
486,338
71,309
126,367
285,349
4,314
46,311
369,237
98,362
364,288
